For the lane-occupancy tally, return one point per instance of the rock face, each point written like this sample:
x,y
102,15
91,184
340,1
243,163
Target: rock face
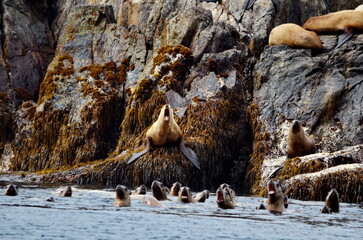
x,y
82,81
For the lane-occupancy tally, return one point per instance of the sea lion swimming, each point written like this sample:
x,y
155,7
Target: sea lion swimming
x,y
298,143
140,190
331,202
225,197
165,131
347,21
275,201
122,197
11,190
294,36
201,196
66,192
150,200
174,190
158,190
185,195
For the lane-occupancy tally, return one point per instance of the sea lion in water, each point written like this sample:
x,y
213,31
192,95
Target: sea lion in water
x,y
347,21
225,197
140,190
122,198
158,190
165,131
275,201
11,190
294,36
175,189
201,196
66,192
150,200
331,202
298,143
185,195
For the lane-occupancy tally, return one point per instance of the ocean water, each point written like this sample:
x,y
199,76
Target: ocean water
x,y
90,214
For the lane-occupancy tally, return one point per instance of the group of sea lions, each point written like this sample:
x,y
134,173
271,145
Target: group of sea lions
x,y
347,22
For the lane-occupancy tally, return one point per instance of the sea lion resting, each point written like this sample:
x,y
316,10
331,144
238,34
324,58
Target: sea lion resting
x,y
331,202
165,131
174,190
347,21
66,192
122,198
298,143
225,197
11,190
276,198
294,36
158,190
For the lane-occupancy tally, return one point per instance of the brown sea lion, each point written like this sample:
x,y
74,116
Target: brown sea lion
x,y
158,190
185,195
331,202
231,191
347,21
140,190
201,196
294,36
275,201
150,200
122,197
165,131
11,190
298,143
225,197
66,192
174,190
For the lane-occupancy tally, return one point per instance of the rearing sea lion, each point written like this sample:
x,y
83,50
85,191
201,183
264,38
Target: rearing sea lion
x,y
331,202
122,197
163,132
66,192
294,36
275,202
11,190
298,143
174,190
185,195
225,197
158,190
347,21
140,190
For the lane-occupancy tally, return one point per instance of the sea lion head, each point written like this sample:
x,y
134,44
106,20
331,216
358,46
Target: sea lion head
x,y
224,197
158,190
206,193
166,114
67,192
296,126
122,192
11,190
274,191
185,195
175,189
141,190
332,200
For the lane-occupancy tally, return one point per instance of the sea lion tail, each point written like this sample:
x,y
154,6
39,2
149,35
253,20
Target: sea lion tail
x,y
135,156
343,38
189,154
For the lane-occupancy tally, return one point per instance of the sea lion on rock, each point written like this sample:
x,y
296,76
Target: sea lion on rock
x,y
11,190
122,198
347,21
225,197
331,202
158,190
175,189
201,196
150,200
165,131
185,195
298,143
66,192
275,201
294,36
140,190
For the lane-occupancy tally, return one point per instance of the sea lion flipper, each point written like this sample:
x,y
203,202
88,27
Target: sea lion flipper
x,y
249,4
343,38
189,154
135,156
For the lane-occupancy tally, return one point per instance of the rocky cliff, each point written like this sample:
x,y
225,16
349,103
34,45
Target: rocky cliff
x,y
82,82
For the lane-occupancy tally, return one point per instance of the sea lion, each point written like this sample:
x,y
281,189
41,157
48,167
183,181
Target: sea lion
x,y
66,192
261,207
185,195
51,199
175,189
11,190
201,196
294,36
225,197
331,202
122,197
275,201
286,201
298,143
140,190
359,8
158,190
165,131
150,200
347,21
224,185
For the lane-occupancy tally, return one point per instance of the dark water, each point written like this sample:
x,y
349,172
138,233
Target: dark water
x,y
89,214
